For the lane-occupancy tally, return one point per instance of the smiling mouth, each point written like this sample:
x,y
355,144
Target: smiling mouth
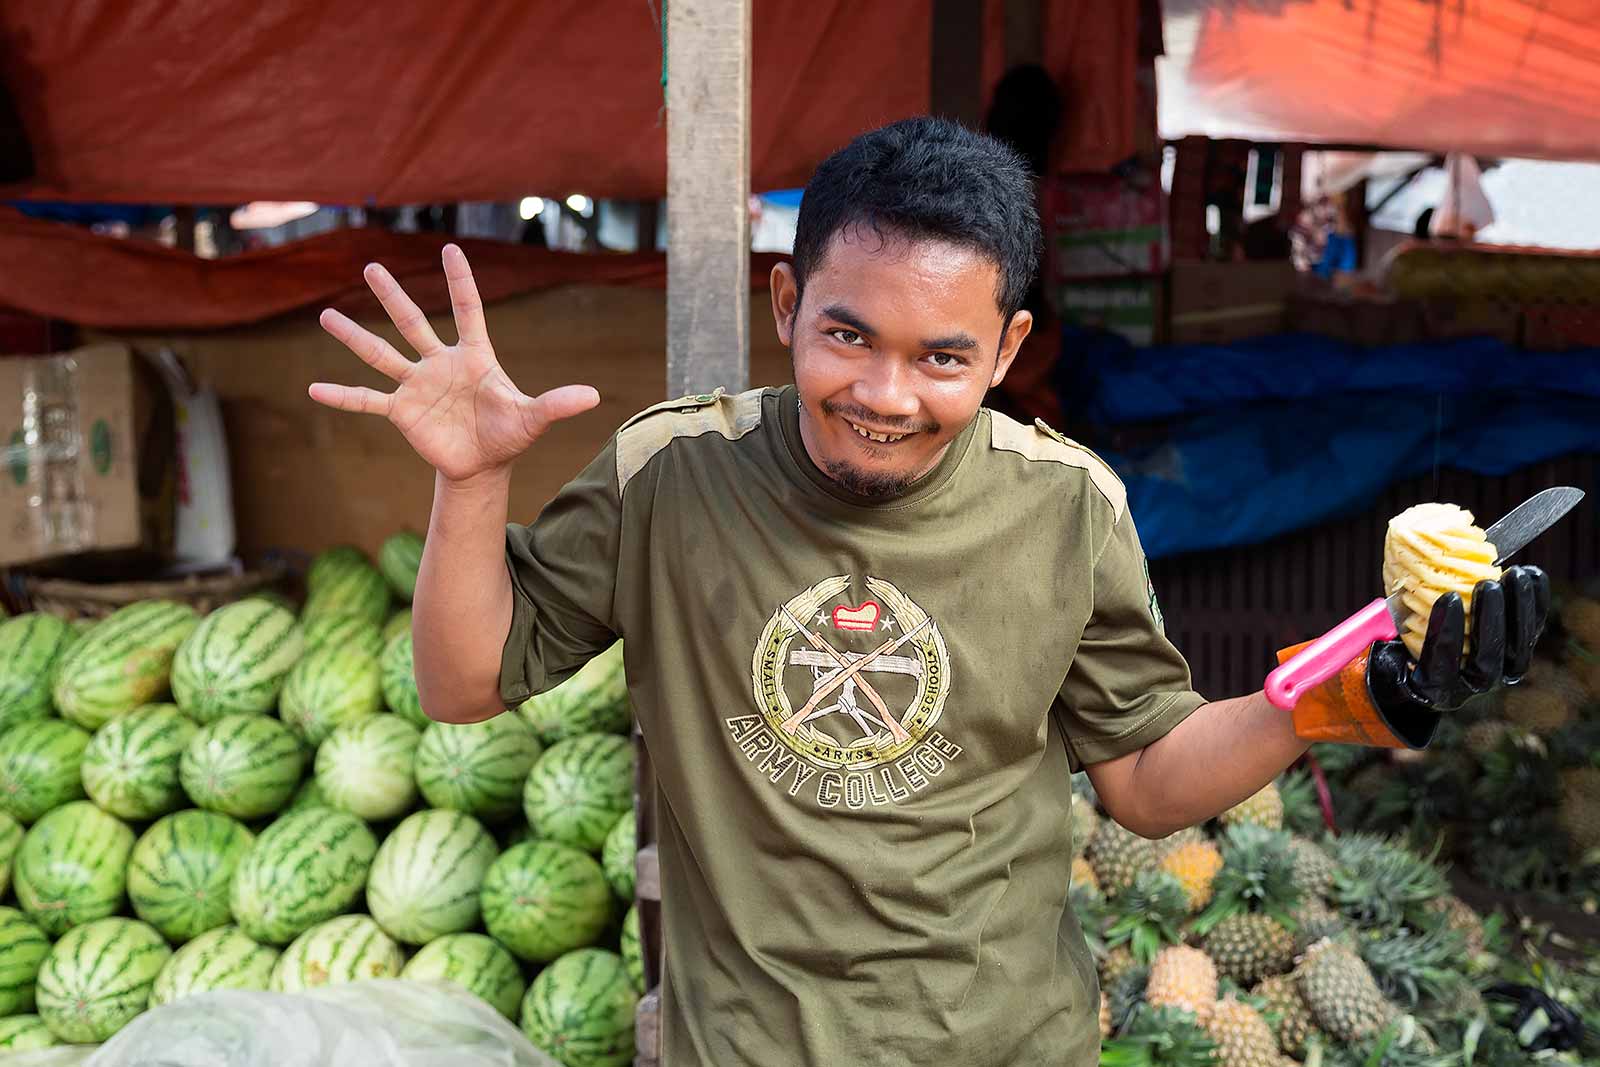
x,y
876,438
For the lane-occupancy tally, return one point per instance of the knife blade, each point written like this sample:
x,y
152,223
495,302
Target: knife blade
x,y
1511,533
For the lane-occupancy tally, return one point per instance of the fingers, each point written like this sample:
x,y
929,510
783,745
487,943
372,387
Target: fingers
x,y
1439,668
548,408
1525,616
374,351
403,312
1486,662
361,400
464,299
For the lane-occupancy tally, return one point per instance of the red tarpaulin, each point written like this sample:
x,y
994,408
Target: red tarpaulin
x,y
1491,77
346,102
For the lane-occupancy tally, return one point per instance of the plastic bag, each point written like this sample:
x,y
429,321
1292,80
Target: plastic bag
x,y
378,1023
1465,209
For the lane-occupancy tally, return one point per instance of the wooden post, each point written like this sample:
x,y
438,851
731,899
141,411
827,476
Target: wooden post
x,y
708,195
1024,32
955,79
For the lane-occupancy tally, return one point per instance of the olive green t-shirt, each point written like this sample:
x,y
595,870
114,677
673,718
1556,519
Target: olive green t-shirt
x,y
862,716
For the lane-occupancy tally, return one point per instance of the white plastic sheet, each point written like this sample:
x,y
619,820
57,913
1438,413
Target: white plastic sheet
x,y
379,1023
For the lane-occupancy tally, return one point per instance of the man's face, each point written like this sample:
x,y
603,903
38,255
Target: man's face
x,y
894,345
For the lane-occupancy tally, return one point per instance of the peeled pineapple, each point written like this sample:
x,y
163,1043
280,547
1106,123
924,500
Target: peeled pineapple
x,y
1430,550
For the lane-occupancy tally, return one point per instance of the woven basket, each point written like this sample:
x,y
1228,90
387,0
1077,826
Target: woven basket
x,y
96,600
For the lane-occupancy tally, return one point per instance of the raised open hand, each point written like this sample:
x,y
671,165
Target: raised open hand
x,y
455,405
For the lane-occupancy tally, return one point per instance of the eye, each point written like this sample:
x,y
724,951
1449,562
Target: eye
x,y
946,360
848,337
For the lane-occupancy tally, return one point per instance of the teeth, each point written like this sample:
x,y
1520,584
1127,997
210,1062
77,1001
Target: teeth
x,y
881,438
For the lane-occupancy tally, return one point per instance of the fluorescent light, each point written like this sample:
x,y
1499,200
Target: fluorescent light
x,y
531,207
265,214
580,203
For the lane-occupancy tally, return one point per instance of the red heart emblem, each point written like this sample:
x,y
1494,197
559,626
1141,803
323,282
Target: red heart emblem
x,y
863,618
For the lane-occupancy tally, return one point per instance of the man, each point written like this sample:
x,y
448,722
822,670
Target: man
x,y
870,630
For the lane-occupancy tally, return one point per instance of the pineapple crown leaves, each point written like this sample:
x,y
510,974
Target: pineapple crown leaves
x,y
1152,909
1126,995
1378,883
1410,967
1257,875
1302,811
1516,778
1164,1036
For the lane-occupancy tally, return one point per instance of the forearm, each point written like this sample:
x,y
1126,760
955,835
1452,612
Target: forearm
x,y
461,611
1223,752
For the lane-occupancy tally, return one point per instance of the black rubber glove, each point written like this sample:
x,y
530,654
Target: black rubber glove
x,y
1507,618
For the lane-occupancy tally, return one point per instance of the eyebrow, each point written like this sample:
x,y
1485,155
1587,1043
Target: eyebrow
x,y
960,342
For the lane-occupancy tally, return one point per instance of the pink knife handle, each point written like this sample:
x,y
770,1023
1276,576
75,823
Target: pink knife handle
x,y
1327,655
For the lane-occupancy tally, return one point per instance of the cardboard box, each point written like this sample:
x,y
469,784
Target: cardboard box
x,y
1218,303
87,455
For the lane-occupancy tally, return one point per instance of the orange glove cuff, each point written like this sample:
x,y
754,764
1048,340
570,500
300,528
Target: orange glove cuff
x,y
1341,710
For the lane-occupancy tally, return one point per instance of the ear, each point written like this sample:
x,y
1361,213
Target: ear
x,y
1021,325
785,301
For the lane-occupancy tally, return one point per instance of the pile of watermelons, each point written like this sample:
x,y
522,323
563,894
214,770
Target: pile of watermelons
x,y
255,799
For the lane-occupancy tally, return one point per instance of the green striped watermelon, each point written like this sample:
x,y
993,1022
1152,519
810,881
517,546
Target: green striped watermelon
x,y
24,1033
399,623
72,868
181,870
344,631
399,559
125,661
23,948
427,876
242,765
632,951
40,767
10,841
477,767
31,648
332,562
98,977
236,661
309,795
368,767
616,858
355,589
276,599
131,765
350,948
476,963
224,958
400,681
580,1010
579,788
541,899
329,687
304,868
592,701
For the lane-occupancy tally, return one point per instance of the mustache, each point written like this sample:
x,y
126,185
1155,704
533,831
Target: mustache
x,y
890,424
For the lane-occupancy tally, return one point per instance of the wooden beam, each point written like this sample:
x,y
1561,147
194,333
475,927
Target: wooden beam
x,y
955,75
708,195
1024,32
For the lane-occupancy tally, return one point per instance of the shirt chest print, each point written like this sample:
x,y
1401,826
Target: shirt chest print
x,y
847,697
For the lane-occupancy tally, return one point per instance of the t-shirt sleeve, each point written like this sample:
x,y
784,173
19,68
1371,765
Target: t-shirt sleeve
x,y
563,580
1127,685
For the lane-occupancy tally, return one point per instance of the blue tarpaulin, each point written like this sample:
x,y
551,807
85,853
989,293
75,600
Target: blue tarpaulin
x,y
1282,434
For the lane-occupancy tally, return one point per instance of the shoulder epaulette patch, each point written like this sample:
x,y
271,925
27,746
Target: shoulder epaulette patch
x,y
1043,442
657,426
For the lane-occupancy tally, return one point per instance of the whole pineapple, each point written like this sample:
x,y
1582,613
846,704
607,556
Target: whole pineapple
x,y
1579,811
1249,946
1243,1037
1085,820
1581,617
1105,1016
1083,876
1265,808
1313,868
1118,855
1183,977
1341,992
1195,866
1538,710
1459,916
1313,921
1117,962
1485,735
1295,1023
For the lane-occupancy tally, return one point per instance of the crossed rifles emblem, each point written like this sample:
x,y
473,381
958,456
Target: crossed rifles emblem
x,y
834,671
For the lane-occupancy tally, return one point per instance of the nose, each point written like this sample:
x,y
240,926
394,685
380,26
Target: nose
x,y
885,388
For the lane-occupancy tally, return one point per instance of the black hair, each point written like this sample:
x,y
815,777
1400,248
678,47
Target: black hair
x,y
923,178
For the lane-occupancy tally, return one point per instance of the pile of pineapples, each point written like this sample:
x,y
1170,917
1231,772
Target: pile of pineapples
x,y
1261,941
1510,788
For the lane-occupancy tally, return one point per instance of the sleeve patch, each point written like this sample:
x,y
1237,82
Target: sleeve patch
x,y
1043,443
654,428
